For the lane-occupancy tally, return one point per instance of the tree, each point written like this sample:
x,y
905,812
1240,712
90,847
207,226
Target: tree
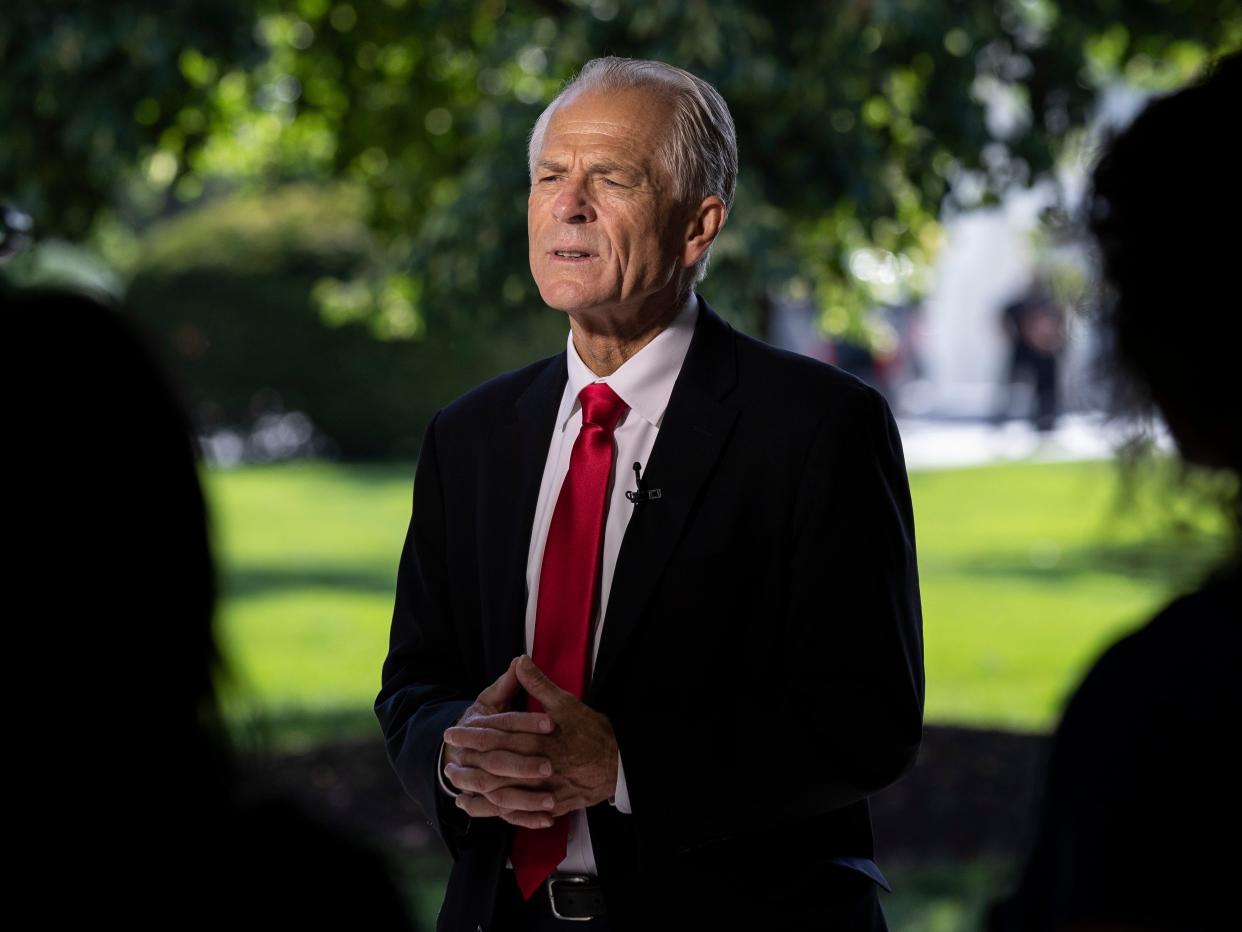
x,y
857,121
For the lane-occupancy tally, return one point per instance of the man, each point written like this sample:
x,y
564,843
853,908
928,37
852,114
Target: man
x,y
717,655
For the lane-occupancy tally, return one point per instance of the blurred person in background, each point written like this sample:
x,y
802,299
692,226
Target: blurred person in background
x,y
134,808
1034,325
1142,817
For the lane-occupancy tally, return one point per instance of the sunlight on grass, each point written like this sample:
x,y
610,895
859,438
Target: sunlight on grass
x,y
1027,572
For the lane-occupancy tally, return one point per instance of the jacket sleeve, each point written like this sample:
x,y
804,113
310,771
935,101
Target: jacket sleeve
x,y
423,682
852,672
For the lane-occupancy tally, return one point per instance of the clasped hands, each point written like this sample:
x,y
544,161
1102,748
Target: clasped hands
x,y
529,767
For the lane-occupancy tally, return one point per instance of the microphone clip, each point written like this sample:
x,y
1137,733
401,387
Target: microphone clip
x,y
641,494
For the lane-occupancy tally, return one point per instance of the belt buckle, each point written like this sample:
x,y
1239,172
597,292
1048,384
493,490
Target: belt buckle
x,y
567,879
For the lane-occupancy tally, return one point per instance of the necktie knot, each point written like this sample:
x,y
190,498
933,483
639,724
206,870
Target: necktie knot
x,y
601,406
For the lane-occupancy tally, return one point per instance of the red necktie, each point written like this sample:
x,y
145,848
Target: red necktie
x,y
568,594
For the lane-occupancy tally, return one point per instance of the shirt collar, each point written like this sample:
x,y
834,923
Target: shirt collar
x,y
645,380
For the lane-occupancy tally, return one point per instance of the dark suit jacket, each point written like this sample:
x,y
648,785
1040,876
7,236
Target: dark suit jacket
x,y
761,659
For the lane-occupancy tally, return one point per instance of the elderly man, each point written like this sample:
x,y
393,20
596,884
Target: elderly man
x,y
657,631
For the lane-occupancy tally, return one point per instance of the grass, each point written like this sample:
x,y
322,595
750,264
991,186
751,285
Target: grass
x,y
943,897
308,555
1027,571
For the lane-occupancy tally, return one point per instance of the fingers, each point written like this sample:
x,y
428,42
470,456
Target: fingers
x,y
480,806
516,798
537,683
535,723
515,722
492,739
483,772
506,763
491,796
474,780
502,692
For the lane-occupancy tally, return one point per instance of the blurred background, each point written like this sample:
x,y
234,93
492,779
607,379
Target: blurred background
x,y
317,211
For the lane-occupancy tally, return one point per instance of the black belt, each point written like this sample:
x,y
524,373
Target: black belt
x,y
575,896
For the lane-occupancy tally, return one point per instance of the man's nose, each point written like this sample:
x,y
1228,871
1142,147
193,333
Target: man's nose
x,y
572,204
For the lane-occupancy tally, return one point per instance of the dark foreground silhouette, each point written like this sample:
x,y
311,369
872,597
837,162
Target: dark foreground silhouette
x,y
129,798
1139,827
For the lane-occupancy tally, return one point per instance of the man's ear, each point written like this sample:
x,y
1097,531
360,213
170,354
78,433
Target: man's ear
x,y
702,227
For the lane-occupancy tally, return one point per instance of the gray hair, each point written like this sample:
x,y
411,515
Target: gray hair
x,y
700,151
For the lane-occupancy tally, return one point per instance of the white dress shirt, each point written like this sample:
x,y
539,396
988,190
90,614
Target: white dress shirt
x,y
644,382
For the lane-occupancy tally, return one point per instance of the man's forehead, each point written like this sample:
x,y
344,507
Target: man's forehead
x,y
634,116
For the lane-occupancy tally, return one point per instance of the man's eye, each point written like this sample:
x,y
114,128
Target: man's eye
x,y
549,177
613,184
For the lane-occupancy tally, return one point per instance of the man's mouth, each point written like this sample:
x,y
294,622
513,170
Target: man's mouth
x,y
571,255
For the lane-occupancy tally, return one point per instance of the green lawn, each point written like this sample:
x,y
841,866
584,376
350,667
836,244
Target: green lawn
x,y
1027,571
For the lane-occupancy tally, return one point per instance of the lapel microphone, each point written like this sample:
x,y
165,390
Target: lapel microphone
x,y
641,494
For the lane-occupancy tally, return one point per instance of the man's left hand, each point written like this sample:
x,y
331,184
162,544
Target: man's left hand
x,y
581,747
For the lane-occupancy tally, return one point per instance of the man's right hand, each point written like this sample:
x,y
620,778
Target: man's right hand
x,y
480,772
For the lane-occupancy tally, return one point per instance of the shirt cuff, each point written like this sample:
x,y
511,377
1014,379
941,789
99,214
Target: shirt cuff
x,y
622,797
444,785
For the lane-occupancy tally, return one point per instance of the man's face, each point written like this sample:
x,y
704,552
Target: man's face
x,y
604,230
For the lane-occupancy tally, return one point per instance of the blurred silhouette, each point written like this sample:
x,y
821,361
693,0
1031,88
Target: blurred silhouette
x,y
137,807
15,226
1034,324
886,361
1140,821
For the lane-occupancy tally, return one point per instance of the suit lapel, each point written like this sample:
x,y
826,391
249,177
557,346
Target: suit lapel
x,y
519,450
692,435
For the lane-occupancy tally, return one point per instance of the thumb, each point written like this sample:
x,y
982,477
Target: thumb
x,y
502,692
540,685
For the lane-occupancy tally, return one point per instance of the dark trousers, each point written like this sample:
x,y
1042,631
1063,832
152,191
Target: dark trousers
x,y
513,914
